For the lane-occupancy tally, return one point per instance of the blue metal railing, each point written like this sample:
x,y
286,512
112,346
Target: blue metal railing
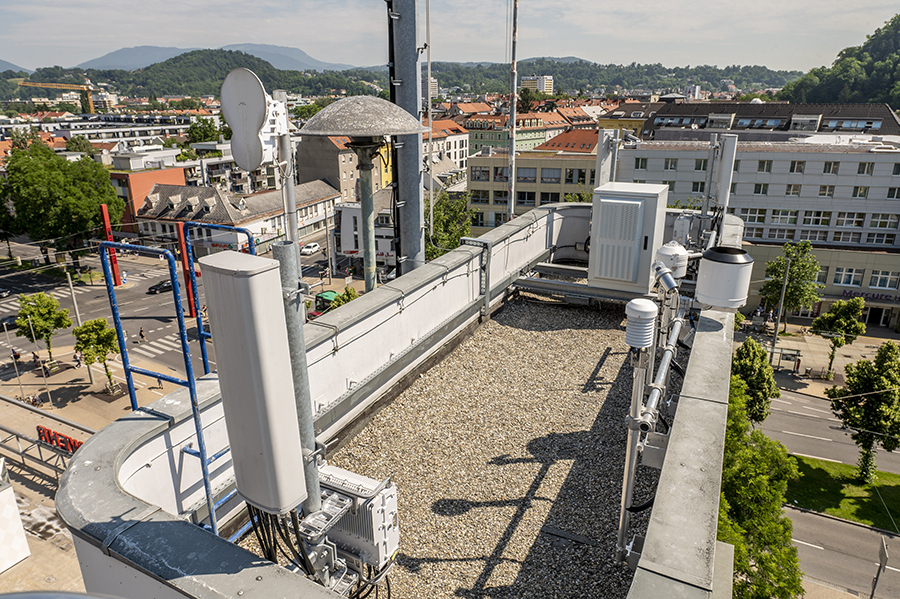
x,y
195,295
130,370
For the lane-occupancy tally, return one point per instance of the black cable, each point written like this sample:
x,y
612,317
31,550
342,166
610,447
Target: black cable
x,y
285,534
634,509
677,368
663,421
306,561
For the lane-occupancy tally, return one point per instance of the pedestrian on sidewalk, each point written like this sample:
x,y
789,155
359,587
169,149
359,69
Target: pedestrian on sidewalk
x,y
36,358
158,383
143,336
77,359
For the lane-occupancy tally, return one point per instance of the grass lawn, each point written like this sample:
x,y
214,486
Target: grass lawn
x,y
833,489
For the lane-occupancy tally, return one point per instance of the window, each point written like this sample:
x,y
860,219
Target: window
x,y
700,164
848,277
499,218
860,192
896,169
550,175
881,238
797,166
831,168
670,164
893,193
526,175
752,215
764,166
826,191
781,233
822,275
575,175
478,219
760,189
784,217
884,279
816,218
814,235
480,173
865,168
850,219
384,220
884,221
698,186
524,198
481,196
501,197
753,232
549,197
640,164
846,237
737,165
671,185
593,177
792,190
639,181
501,173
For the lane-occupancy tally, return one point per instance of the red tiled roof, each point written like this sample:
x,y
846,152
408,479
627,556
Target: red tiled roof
x,y
582,141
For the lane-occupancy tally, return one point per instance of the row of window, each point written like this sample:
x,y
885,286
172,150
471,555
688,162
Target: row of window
x,y
523,198
765,166
860,192
820,235
818,218
853,277
529,175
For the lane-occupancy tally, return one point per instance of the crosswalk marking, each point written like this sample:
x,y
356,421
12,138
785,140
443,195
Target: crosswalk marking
x,y
146,353
169,344
156,346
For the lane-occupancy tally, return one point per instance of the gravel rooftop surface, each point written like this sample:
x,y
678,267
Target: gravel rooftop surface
x,y
504,451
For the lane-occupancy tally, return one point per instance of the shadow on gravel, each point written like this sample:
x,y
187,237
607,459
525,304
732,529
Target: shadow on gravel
x,y
573,553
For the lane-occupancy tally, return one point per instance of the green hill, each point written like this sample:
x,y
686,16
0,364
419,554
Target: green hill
x,y
860,74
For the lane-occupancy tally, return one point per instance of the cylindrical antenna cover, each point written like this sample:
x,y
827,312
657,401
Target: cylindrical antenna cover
x,y
641,315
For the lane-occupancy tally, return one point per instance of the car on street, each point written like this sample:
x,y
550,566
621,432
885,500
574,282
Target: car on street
x,y
160,287
8,322
4,292
309,249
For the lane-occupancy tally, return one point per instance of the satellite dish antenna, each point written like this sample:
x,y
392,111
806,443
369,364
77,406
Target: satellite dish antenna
x,y
244,107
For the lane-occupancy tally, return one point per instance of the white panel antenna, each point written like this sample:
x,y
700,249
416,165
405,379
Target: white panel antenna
x,y
256,120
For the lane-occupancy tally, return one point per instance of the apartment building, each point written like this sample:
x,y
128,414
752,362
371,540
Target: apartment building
x,y
448,139
842,194
540,83
541,178
490,130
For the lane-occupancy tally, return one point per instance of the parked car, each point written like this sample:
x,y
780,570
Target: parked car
x,y
309,249
161,287
8,322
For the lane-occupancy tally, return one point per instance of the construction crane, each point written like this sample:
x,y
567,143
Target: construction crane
x,y
85,91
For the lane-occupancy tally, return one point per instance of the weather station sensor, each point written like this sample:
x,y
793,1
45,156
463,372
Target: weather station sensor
x,y
724,278
256,120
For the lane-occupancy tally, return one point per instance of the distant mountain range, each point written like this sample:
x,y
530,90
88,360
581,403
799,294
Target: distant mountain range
x,y
281,57
8,66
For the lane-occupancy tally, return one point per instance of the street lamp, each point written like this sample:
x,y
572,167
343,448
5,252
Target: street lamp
x,y
787,269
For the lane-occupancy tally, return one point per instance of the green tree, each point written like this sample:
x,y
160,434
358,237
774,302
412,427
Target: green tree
x,y
755,474
869,405
95,339
840,325
452,221
58,200
751,364
306,112
527,97
46,318
187,154
79,143
203,129
21,139
346,297
802,289
584,195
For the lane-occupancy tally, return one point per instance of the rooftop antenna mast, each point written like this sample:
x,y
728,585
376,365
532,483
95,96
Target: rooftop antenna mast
x,y
513,80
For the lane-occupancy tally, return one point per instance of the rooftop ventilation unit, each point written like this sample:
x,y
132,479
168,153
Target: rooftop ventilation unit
x,y
626,231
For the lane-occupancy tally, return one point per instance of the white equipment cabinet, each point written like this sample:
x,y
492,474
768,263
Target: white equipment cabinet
x,y
626,231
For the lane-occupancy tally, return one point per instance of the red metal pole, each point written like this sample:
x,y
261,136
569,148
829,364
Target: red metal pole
x,y
187,273
107,227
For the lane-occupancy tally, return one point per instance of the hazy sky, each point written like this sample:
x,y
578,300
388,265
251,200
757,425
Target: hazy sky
x,y
784,34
